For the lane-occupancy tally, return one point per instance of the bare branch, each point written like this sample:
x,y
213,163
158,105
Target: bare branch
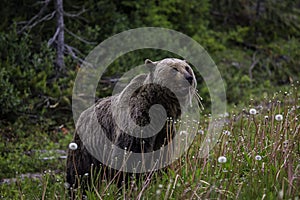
x,y
22,22
76,50
79,38
41,2
72,54
76,14
50,42
41,12
45,18
60,47
70,51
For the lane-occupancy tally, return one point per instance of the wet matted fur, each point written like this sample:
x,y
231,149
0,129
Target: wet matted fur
x,y
153,91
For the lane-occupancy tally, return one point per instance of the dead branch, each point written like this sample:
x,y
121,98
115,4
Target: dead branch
x,y
75,50
60,40
79,38
76,14
45,18
41,2
70,51
41,12
50,42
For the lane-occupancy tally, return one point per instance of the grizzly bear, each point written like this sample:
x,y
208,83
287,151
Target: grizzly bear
x,y
134,120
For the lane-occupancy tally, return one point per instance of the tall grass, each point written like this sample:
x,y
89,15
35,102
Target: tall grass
x,y
257,156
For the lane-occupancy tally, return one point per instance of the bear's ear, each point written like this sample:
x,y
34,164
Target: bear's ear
x,y
150,64
148,61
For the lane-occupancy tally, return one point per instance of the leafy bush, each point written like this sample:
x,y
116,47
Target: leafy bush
x,y
9,99
30,83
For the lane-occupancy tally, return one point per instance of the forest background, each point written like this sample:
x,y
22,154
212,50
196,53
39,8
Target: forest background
x,y
255,44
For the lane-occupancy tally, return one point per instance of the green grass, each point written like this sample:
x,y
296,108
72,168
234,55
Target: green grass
x,y
242,176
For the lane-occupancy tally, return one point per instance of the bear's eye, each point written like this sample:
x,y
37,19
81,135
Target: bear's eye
x,y
187,69
175,69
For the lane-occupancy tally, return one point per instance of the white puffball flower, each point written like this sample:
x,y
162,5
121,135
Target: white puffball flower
x,y
66,185
183,133
266,117
226,132
278,117
252,111
258,157
222,159
280,194
73,146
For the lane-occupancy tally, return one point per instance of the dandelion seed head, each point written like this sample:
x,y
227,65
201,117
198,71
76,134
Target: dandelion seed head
x,y
67,185
252,111
222,159
285,143
158,192
258,157
226,132
280,194
278,117
183,133
73,146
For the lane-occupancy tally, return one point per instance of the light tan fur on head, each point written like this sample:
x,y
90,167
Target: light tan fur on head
x,y
173,73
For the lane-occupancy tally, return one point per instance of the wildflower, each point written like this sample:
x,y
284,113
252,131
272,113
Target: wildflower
x,y
66,185
158,192
183,133
266,117
252,111
73,146
280,194
222,159
258,157
160,186
278,117
226,114
226,132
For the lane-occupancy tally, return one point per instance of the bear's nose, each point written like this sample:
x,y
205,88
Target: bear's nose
x,y
189,78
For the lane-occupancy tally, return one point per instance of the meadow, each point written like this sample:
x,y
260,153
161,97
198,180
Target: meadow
x,y
255,45
256,157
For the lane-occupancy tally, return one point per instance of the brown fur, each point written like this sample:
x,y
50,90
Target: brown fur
x,y
154,91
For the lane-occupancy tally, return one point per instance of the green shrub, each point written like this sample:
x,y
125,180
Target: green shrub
x,y
9,98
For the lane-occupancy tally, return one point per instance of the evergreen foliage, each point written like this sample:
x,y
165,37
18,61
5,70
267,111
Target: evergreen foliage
x,y
254,43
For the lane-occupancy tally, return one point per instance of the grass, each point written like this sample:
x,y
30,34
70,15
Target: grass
x,y
262,161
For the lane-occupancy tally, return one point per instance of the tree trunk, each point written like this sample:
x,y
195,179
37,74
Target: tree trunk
x,y
60,45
